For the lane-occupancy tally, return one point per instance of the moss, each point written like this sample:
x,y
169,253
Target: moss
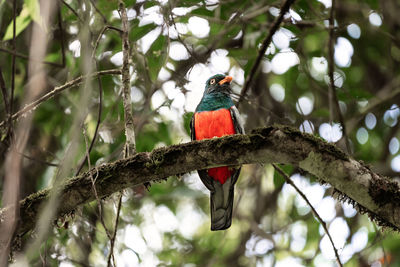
x,y
39,195
31,203
171,154
146,166
230,143
317,141
157,157
363,210
384,191
264,131
161,157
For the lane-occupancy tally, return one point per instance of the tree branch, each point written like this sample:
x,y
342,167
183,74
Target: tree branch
x,y
14,49
58,90
60,27
5,94
130,145
370,192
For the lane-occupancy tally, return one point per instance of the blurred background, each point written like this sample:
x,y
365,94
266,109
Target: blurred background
x,y
175,47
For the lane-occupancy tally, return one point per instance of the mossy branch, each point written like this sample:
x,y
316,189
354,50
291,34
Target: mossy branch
x,y
370,192
130,143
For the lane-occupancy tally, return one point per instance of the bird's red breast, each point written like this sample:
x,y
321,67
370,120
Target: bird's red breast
x,y
216,123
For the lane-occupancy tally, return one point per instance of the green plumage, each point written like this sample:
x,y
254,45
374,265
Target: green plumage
x,y
215,96
214,101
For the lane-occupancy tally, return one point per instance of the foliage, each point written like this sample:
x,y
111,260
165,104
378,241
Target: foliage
x,y
175,46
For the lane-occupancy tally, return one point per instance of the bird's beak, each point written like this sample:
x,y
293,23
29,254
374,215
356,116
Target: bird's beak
x,y
227,79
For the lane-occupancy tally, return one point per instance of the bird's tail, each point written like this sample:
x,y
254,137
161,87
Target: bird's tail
x,y
221,200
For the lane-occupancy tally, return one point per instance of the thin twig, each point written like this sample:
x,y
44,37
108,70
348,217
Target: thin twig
x,y
256,105
332,92
39,160
13,70
93,180
58,90
72,10
112,240
290,181
96,131
106,27
390,91
100,100
177,33
93,57
14,49
19,55
5,94
275,26
98,11
98,41
59,17
114,28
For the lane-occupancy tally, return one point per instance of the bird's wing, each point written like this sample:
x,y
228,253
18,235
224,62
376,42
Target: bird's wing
x,y
192,130
239,128
207,180
237,120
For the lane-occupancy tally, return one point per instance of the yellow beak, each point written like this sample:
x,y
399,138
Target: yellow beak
x,y
227,79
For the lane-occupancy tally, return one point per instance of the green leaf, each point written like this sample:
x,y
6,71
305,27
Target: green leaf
x,y
188,3
151,135
215,28
278,179
311,43
241,53
248,66
321,112
202,11
34,10
22,21
157,55
186,121
149,4
52,57
138,32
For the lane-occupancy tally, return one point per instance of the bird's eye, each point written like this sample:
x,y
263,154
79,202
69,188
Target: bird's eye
x,y
212,81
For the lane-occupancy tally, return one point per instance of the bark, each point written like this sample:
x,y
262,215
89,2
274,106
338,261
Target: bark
x,y
354,181
130,146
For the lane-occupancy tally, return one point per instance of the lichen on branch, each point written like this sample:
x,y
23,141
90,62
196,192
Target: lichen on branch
x,y
369,191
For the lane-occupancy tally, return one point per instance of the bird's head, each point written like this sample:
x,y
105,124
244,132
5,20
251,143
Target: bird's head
x,y
218,83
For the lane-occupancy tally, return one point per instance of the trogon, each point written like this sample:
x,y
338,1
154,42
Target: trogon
x,y
216,116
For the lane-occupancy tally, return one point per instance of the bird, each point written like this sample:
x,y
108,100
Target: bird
x,y
217,116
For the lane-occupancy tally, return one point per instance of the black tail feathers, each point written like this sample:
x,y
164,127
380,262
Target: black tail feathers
x,y
221,209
